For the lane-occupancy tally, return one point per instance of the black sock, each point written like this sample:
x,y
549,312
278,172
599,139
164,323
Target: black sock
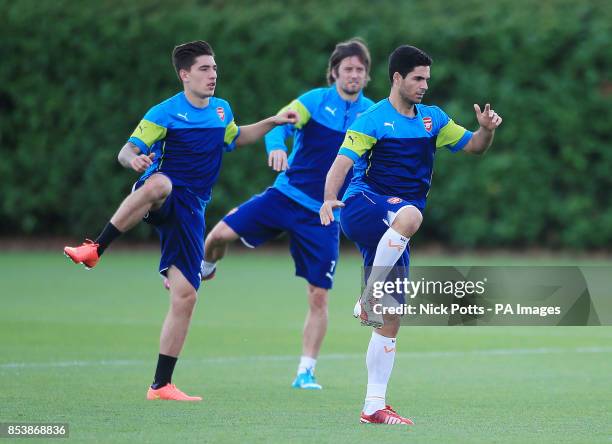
x,y
109,234
163,373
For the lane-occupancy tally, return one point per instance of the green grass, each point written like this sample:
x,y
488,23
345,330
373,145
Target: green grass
x,y
80,347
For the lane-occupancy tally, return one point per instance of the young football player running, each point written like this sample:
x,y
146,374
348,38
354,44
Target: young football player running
x,y
178,147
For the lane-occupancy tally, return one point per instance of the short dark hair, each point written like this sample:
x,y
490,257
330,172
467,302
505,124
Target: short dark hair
x,y
353,47
184,55
405,58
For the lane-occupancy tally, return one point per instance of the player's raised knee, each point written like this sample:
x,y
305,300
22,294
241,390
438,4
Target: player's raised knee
x,y
221,233
158,187
407,221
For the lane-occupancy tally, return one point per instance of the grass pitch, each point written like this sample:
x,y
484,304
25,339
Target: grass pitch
x,y
80,347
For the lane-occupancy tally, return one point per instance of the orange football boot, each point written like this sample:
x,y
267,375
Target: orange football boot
x,y
169,392
86,254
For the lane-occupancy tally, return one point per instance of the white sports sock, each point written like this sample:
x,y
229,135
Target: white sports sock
x,y
306,362
379,361
207,268
390,248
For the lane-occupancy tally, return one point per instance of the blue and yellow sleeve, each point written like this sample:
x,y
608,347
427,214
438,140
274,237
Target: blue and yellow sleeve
x,y
232,131
453,136
302,111
275,139
146,134
151,129
449,134
359,138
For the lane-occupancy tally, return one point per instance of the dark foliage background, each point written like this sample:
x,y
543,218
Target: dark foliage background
x,y
76,77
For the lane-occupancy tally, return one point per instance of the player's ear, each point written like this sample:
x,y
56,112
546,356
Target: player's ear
x,y
184,75
397,78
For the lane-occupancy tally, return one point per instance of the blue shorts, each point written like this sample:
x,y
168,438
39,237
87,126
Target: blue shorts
x,y
180,225
314,247
364,219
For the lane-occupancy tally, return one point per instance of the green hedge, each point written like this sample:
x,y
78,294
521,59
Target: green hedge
x,y
76,77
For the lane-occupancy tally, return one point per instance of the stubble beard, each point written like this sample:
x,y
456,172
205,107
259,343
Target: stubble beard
x,y
352,91
408,102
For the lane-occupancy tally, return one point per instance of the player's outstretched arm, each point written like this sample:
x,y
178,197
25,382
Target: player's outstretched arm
x,y
333,182
252,133
130,156
488,120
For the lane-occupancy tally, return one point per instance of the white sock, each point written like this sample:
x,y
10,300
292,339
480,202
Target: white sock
x,y
390,248
379,361
306,363
207,267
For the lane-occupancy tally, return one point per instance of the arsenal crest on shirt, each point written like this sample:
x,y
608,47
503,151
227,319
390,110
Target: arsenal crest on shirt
x,y
221,113
427,123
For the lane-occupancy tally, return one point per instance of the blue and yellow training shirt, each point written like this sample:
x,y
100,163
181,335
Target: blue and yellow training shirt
x,y
324,117
394,154
188,142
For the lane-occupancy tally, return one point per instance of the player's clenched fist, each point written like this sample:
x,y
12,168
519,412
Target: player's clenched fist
x,y
288,116
326,213
488,119
142,162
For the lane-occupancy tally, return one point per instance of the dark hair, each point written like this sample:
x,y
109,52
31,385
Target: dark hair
x,y
184,55
405,58
353,47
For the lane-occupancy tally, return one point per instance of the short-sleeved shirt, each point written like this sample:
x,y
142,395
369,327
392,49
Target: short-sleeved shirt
x,y
394,154
188,142
324,118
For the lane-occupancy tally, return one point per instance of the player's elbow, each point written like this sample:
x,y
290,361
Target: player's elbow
x,y
124,155
243,139
474,149
121,158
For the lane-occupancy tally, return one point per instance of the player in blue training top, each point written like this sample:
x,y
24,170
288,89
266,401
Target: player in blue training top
x,y
291,205
178,146
392,148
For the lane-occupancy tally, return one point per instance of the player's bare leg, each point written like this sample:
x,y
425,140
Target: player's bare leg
x,y
151,196
215,245
315,327
390,249
183,299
